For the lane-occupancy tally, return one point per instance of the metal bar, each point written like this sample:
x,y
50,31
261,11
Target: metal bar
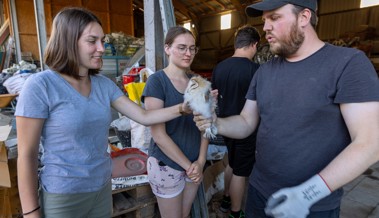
x,y
167,13
153,35
39,12
15,30
168,20
199,207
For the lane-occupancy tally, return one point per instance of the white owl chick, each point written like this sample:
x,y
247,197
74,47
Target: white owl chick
x,y
198,96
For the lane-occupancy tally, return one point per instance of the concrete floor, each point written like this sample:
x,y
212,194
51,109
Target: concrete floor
x,y
360,200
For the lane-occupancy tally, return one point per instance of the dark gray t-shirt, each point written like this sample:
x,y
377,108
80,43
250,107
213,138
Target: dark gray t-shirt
x,y
182,130
302,129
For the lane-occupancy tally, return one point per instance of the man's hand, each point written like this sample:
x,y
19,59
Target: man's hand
x,y
295,202
214,94
202,122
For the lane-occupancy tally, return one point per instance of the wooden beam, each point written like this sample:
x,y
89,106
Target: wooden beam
x,y
183,9
39,12
154,38
208,5
223,7
241,10
196,6
4,31
178,5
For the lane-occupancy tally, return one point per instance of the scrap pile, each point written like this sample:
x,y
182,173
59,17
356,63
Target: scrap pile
x,y
119,44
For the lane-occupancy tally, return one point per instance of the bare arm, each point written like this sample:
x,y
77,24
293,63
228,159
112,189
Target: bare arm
x,y
159,134
362,120
28,139
239,126
132,110
203,151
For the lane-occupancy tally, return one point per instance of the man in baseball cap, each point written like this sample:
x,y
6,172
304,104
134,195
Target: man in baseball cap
x,y
313,137
256,10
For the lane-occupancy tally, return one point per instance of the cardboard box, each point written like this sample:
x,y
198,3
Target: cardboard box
x,y
10,205
212,171
5,180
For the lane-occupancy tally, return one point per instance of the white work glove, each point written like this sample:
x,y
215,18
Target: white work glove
x,y
295,202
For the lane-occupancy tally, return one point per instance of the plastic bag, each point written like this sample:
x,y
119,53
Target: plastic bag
x,y
122,124
141,136
134,91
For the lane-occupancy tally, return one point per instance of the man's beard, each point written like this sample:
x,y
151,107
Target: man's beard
x,y
289,45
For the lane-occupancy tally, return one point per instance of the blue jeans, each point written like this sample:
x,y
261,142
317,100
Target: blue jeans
x,y
256,203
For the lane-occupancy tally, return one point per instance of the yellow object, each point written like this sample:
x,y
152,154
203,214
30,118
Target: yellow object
x,y
134,91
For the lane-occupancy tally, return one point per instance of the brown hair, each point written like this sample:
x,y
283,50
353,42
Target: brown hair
x,y
61,53
314,19
245,36
173,32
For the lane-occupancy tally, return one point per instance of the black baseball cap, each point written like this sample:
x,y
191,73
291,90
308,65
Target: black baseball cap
x,y
257,9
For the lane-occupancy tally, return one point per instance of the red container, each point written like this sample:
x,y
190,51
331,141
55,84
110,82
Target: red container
x,y
132,76
135,70
128,79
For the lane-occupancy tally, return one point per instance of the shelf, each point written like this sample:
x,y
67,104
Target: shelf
x,y
114,65
138,206
136,201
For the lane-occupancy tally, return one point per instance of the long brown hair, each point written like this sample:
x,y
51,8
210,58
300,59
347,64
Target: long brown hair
x,y
61,53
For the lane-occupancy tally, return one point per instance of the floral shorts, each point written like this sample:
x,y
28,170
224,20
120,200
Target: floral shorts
x,y
165,181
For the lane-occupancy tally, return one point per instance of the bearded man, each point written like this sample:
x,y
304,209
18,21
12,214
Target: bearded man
x,y
318,107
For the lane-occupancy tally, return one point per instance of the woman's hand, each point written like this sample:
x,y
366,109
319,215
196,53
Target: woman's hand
x,y
185,109
195,172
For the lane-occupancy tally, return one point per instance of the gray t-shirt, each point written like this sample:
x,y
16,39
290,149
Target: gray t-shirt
x,y
182,130
301,128
75,133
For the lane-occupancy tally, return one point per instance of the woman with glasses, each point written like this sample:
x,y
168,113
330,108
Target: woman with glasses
x,y
177,153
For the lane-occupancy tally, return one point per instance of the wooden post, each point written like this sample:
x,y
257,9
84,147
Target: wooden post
x,y
199,206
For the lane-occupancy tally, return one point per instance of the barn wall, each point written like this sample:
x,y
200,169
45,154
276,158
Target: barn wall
x,y
336,17
115,15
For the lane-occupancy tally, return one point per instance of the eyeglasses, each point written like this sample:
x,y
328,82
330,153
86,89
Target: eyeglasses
x,y
183,50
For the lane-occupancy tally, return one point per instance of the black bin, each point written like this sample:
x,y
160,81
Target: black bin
x,y
124,137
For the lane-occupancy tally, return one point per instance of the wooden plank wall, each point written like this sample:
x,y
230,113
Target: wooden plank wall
x,y
116,16
340,16
336,17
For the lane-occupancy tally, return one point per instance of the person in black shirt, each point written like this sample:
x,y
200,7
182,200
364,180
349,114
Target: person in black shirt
x,y
232,79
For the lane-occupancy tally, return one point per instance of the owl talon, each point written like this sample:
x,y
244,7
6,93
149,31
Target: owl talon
x,y
209,133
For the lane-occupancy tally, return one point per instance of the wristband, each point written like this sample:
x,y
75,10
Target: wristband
x,y
27,213
181,111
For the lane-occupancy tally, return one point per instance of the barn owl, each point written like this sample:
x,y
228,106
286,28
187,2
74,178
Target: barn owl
x,y
198,96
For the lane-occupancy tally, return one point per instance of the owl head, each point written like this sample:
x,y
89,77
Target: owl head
x,y
198,84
